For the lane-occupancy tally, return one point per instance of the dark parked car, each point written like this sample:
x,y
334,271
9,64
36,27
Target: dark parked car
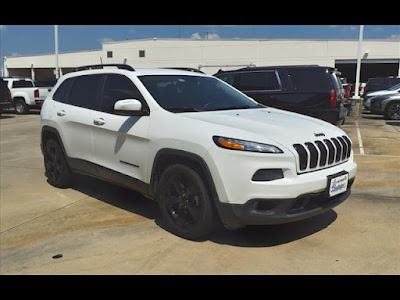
x,y
380,84
5,96
387,105
310,90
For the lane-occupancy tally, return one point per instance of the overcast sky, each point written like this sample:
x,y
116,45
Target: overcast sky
x,y
39,39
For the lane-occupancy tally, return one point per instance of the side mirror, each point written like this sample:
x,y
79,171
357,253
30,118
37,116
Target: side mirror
x,y
130,107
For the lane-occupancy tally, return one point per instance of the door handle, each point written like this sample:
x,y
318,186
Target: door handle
x,y
61,113
99,121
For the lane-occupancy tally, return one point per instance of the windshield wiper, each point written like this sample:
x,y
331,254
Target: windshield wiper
x,y
235,107
183,109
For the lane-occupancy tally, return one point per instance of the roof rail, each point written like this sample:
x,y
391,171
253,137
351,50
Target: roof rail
x,y
101,66
185,69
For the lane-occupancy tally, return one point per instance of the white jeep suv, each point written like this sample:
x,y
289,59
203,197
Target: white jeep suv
x,y
200,148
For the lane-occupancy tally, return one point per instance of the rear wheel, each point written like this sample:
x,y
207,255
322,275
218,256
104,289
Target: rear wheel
x,y
185,203
56,166
393,111
21,107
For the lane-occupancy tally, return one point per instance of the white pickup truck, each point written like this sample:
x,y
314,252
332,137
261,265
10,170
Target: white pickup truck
x,y
25,95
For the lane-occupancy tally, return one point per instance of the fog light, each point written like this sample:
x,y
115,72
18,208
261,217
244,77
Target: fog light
x,y
267,175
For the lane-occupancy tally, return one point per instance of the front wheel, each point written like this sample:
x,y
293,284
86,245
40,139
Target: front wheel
x,y
393,111
185,203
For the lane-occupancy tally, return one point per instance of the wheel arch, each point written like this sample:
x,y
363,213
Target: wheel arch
x,y
49,132
387,104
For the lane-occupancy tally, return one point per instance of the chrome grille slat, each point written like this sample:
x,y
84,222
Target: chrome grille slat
x,y
321,154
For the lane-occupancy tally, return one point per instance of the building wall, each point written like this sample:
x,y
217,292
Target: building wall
x,y
212,55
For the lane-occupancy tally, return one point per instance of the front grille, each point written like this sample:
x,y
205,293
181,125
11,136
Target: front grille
x,y
323,154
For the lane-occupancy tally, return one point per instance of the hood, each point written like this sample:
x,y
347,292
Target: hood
x,y
380,98
381,93
281,126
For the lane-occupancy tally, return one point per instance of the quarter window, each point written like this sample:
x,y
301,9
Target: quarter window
x,y
62,93
119,87
85,91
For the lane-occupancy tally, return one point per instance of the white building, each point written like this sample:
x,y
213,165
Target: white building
x,y
380,57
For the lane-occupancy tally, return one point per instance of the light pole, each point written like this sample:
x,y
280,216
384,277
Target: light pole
x,y
357,87
57,70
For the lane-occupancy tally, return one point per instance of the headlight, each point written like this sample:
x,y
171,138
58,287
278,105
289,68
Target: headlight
x,y
234,144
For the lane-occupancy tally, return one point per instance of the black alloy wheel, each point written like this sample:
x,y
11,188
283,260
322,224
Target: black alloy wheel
x,y
184,202
57,170
393,111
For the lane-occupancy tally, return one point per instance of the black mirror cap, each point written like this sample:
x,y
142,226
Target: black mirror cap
x,y
138,113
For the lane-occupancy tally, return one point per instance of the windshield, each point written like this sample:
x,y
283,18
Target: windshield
x,y
395,87
183,93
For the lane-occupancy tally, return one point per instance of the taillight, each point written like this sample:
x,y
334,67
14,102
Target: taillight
x,y
347,94
333,98
9,93
36,93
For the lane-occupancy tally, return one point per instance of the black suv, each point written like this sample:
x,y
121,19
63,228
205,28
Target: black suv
x,y
380,84
310,90
5,96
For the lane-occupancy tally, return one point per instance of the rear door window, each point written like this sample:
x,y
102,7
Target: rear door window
x,y
62,93
258,81
85,91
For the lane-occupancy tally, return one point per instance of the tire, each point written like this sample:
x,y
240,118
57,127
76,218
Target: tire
x,y
185,203
56,166
393,111
20,107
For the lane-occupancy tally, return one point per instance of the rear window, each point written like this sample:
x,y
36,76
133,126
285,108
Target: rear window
x,y
22,84
309,79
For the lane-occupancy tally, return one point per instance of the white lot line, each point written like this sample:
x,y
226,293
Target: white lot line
x,y
360,143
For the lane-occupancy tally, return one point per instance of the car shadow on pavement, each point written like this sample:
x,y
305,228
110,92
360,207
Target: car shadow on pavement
x,y
6,117
251,236
274,235
372,116
393,123
117,196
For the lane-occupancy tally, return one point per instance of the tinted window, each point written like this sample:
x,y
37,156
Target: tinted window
x,y
258,81
228,78
22,84
45,83
85,92
119,87
180,93
310,80
62,93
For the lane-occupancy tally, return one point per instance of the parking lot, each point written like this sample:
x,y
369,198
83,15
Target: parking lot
x,y
100,228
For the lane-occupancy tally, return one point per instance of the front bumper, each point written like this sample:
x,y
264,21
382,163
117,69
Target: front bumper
x,y
278,211
376,108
